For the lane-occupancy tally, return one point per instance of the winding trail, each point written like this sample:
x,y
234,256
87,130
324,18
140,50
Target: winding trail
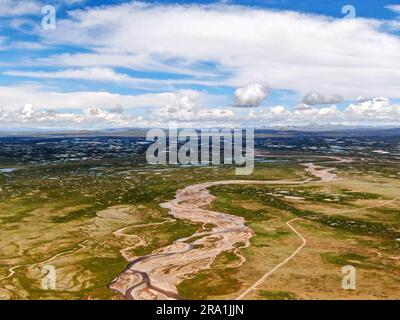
x,y
120,233
325,176
304,242
11,271
157,275
267,274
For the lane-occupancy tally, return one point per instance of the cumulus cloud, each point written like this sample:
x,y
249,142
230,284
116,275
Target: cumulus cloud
x,y
301,107
103,109
186,109
362,99
117,109
378,109
89,118
278,110
313,98
375,111
208,45
250,96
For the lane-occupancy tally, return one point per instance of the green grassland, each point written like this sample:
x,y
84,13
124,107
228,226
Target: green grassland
x,y
68,212
331,213
49,211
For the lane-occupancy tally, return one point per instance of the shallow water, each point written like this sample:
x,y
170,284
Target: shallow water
x,y
7,170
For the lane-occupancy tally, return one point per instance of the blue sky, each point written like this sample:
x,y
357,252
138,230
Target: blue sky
x,y
263,63
369,9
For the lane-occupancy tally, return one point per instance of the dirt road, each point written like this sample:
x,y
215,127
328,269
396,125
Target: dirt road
x,y
156,276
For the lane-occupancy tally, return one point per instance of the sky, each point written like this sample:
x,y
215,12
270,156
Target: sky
x,y
86,64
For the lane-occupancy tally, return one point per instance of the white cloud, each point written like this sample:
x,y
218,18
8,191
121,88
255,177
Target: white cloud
x,y
90,118
313,98
186,108
301,107
250,96
278,110
362,99
183,106
73,2
328,111
394,7
97,74
213,45
376,111
12,8
106,75
30,45
112,57
278,49
15,97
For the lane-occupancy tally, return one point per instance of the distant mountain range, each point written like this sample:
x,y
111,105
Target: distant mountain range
x,y
140,132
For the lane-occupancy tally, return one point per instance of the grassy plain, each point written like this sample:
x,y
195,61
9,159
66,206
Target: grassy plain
x,y
65,215
338,230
